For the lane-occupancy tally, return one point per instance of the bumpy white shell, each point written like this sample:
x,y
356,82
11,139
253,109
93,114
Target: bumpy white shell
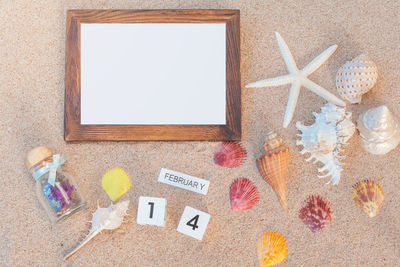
x,y
324,139
355,78
103,219
379,130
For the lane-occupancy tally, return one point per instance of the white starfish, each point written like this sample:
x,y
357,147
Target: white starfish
x,y
299,78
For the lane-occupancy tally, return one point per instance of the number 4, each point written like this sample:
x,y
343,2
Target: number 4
x,y
193,222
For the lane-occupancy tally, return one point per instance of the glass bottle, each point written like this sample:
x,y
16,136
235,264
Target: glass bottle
x,y
57,190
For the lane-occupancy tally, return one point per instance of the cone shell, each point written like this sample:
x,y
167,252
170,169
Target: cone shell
x,y
273,165
355,78
243,194
368,196
230,154
271,249
316,213
115,183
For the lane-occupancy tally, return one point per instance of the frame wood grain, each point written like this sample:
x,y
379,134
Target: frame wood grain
x,y
75,131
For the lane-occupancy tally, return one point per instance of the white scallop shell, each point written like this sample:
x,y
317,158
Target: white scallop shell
x,y
324,139
379,130
355,78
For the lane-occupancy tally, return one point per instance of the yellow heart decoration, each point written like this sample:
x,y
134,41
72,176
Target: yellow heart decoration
x,y
115,183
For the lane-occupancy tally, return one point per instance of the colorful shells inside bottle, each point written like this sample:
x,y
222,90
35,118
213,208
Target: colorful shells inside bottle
x,y
271,248
316,213
230,154
59,195
368,196
115,183
243,194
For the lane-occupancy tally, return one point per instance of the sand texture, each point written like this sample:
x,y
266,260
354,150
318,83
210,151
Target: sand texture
x,y
32,52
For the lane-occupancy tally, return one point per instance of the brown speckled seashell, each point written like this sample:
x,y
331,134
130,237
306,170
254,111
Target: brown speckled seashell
x,y
355,78
316,213
368,196
230,154
243,194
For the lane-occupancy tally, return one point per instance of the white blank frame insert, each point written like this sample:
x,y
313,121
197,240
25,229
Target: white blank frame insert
x,y
153,73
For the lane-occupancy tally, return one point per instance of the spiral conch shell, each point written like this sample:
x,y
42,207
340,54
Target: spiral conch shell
x,y
379,130
324,139
355,78
273,165
103,219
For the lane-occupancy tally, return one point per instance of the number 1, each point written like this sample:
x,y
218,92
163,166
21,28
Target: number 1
x,y
151,209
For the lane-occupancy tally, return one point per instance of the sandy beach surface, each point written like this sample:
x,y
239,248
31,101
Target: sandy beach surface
x,y
32,53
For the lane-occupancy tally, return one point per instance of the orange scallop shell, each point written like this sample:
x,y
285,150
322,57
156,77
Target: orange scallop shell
x,y
230,154
271,248
368,196
243,194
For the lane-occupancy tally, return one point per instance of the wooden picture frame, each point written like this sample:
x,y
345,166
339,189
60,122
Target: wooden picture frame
x,y
75,131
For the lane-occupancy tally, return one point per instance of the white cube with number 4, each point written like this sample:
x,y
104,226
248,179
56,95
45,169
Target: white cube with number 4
x,y
151,210
193,223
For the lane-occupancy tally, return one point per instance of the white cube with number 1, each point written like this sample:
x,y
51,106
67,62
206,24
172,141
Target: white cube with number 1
x,y
193,222
151,210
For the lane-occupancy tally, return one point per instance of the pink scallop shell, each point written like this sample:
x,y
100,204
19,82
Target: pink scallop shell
x,y
230,154
316,213
243,194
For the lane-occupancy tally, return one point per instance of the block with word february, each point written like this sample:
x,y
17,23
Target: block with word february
x,y
184,181
151,210
193,222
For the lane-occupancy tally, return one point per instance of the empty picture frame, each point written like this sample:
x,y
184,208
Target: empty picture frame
x,y
152,75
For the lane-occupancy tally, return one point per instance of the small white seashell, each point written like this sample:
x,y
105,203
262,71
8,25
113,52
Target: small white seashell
x,y
103,219
379,130
355,78
325,137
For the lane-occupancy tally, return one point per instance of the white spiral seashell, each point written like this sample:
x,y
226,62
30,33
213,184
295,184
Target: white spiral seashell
x,y
103,219
324,139
355,78
379,130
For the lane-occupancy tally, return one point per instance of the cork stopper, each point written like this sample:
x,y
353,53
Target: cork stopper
x,y
37,155
272,141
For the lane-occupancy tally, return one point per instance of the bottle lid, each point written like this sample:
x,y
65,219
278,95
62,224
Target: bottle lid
x,y
37,155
